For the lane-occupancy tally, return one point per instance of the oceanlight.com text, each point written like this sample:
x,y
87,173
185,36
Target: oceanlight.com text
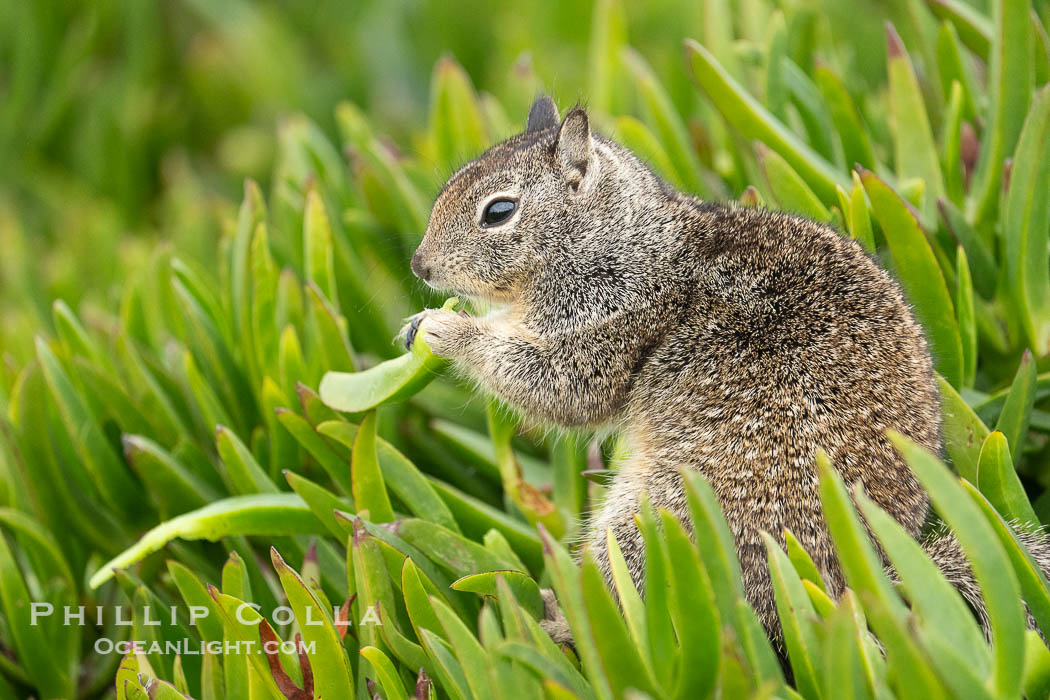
x,y
194,647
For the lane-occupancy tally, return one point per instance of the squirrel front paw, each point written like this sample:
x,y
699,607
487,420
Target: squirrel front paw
x,y
410,329
443,331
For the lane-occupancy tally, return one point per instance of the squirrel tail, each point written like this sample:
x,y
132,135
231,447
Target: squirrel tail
x,y
945,551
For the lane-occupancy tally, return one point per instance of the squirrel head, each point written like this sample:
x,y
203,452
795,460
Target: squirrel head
x,y
525,204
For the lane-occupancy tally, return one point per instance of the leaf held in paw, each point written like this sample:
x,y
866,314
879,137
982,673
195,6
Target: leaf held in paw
x,y
387,382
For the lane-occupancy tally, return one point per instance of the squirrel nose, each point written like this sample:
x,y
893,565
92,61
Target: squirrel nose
x,y
418,268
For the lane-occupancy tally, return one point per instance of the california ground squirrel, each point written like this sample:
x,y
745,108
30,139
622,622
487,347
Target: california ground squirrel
x,y
734,341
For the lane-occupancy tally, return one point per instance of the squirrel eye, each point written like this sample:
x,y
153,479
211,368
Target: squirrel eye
x,y
498,211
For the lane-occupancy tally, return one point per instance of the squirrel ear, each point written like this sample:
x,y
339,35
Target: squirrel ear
x,y
573,148
543,114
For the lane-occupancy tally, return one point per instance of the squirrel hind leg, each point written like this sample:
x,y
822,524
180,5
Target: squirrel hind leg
x,y
947,554
1037,542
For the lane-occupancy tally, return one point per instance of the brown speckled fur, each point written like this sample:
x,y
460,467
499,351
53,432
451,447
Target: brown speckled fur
x,y
734,341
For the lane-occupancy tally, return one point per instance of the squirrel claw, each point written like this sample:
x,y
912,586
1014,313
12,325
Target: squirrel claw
x,y
443,328
411,329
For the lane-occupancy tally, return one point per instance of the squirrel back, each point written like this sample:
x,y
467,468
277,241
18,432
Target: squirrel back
x,y
728,340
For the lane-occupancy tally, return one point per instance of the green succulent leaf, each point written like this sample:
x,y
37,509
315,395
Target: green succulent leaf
x,y
914,677
387,382
44,668
789,190
991,566
919,274
263,514
523,587
1010,77
1025,223
797,620
915,153
385,671
745,114
331,669
665,123
210,349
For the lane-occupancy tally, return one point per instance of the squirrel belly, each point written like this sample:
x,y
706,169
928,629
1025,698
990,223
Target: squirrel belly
x,y
732,341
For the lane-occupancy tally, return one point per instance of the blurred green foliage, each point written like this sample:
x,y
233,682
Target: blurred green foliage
x,y
117,114
207,371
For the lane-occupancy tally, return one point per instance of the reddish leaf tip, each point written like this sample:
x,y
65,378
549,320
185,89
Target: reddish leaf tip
x,y
446,62
422,685
280,677
545,538
359,531
969,147
342,617
277,559
894,45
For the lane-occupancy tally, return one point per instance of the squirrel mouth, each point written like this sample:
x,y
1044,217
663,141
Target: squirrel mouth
x,y
439,285
499,294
